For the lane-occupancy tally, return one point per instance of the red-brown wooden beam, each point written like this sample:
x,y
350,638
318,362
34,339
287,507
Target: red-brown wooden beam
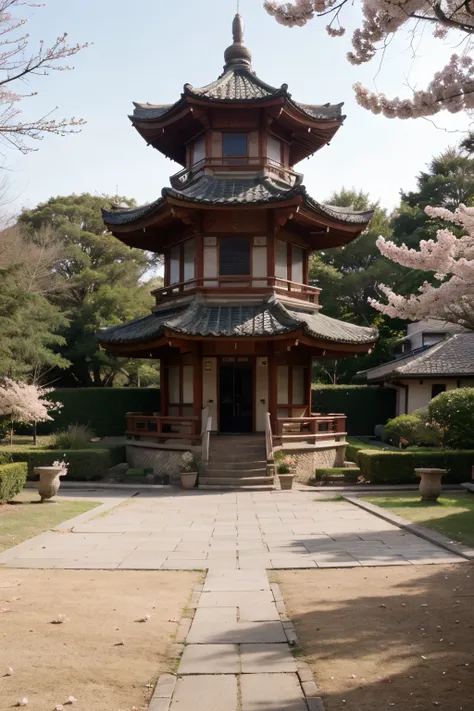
x,y
272,386
197,380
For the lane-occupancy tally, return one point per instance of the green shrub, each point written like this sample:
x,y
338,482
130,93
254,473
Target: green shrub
x,y
354,446
84,465
416,428
346,474
403,428
365,407
382,467
75,437
453,411
12,480
101,409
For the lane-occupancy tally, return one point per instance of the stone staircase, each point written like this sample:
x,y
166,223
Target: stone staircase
x,y
237,462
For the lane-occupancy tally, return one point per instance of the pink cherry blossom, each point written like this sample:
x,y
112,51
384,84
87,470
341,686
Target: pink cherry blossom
x,y
452,87
9,671
451,261
23,701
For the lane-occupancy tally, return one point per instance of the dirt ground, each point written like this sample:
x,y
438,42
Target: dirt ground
x,y
382,638
85,657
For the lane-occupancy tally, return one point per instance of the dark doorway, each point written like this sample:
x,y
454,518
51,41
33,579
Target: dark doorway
x,y
236,397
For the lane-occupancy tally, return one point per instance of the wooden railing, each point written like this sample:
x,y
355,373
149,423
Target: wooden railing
x,y
315,428
251,164
230,284
268,437
154,426
206,440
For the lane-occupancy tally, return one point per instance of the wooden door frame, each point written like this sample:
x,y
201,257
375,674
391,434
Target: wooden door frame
x,y
252,362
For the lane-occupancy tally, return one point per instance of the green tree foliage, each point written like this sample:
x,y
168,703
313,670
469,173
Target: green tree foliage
x,y
30,320
448,182
348,277
106,280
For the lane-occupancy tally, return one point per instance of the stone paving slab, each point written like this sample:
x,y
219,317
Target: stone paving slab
x,y
262,658
271,692
206,693
210,659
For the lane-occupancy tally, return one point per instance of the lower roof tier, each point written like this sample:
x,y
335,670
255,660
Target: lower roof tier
x,y
267,319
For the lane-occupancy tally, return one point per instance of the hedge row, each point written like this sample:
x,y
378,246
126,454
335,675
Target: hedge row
x,y
101,409
364,406
84,464
379,467
12,480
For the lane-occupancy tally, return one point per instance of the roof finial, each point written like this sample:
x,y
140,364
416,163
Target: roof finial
x,y
237,54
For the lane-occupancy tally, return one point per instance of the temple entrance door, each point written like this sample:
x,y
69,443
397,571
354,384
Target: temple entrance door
x,y
236,397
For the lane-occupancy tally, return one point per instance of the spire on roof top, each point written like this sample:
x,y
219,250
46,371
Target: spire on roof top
x,y
237,54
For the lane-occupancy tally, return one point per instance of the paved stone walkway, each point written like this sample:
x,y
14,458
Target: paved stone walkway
x,y
227,531
238,646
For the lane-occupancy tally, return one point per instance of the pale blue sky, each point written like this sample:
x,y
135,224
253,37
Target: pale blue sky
x,y
147,51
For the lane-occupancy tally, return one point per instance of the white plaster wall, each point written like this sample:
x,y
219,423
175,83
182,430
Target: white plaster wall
x,y
210,260
259,264
261,393
209,389
419,393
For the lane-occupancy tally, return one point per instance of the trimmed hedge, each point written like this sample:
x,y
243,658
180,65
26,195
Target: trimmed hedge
x,y
379,467
364,406
12,480
84,464
101,409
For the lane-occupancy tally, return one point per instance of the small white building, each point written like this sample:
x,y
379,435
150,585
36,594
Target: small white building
x,y
435,357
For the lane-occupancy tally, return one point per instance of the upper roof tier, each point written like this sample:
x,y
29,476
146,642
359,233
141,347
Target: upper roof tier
x,y
168,127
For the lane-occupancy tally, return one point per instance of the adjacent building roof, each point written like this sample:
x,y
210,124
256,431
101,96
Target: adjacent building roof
x,y
268,318
451,358
213,190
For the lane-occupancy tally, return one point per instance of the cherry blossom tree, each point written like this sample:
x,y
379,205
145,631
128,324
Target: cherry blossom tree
x,y
450,258
452,87
19,63
20,402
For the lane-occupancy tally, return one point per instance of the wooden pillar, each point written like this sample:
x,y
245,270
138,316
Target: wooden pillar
x,y
309,386
271,247
197,382
272,386
163,389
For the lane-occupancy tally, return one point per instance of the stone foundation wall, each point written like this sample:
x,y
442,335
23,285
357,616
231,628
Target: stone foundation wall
x,y
305,463
162,461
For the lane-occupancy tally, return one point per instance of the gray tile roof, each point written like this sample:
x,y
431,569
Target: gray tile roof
x,y
453,357
268,318
239,84
209,189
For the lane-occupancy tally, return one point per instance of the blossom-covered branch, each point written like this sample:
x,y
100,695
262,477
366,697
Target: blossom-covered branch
x,y
450,258
452,87
17,64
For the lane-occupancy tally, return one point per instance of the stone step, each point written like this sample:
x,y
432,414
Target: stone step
x,y
230,464
231,483
236,473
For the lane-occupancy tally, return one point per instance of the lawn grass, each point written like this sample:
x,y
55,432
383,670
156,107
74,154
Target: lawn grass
x,y
25,517
452,514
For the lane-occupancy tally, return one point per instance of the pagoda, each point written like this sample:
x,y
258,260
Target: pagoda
x,y
237,324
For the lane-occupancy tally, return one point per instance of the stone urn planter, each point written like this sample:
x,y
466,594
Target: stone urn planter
x,y
188,480
189,470
286,481
430,483
49,482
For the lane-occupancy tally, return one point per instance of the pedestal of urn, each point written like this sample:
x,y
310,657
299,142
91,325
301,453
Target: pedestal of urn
x,y
430,483
49,482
